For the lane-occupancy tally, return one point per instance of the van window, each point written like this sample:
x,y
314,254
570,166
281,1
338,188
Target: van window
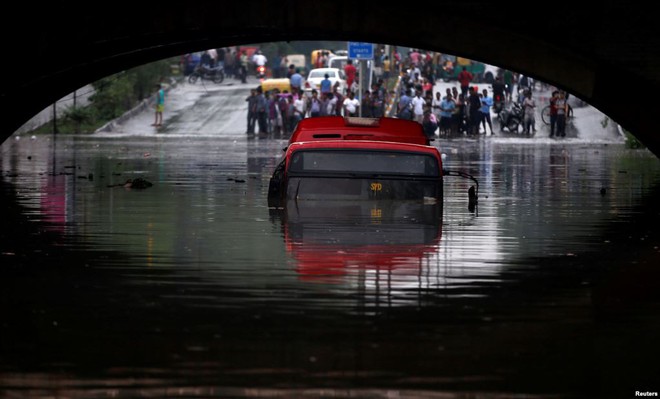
x,y
391,163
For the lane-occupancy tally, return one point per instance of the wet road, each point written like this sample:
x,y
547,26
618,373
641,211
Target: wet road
x,y
194,288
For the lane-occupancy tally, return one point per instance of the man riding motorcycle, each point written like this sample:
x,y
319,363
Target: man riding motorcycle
x,y
260,64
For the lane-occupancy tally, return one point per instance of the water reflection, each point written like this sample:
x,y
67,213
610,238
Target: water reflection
x,y
356,242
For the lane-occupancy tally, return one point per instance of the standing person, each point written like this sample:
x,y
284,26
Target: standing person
x,y
290,121
314,104
213,56
330,105
404,107
447,112
377,101
252,111
429,123
339,107
418,107
160,105
454,93
290,71
351,105
387,67
553,112
459,118
221,56
508,83
262,109
230,62
465,78
350,72
273,113
283,105
562,111
529,109
435,105
326,85
243,65
298,111
283,67
486,104
367,106
427,87
296,82
474,116
275,64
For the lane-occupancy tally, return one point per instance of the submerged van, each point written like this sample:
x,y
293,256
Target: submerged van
x,y
335,158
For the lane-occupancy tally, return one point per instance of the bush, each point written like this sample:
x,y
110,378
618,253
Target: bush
x,y
632,141
118,93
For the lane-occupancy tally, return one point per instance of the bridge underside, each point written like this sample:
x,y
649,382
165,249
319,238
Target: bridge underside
x,y
606,54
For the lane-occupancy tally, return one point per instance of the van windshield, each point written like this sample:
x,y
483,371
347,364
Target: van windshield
x,y
374,162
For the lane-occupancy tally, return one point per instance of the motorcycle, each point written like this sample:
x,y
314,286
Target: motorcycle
x,y
261,72
214,74
511,117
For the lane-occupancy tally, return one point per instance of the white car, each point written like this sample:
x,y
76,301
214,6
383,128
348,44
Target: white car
x,y
313,81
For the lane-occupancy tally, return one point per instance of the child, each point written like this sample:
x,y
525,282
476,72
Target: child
x,y
160,106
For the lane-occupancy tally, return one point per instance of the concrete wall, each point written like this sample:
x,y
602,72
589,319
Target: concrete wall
x,y
46,115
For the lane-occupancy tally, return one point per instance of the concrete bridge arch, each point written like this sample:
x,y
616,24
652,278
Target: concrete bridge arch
x,y
607,54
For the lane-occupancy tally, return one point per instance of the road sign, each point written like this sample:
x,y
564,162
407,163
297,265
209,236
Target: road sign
x,y
360,51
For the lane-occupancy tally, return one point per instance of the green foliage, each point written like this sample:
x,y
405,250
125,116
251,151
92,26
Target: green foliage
x,y
632,141
118,93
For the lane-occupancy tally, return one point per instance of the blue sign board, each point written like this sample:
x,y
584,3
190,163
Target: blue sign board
x,y
360,51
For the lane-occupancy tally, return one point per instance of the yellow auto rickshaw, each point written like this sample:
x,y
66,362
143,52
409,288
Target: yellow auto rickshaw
x,y
315,57
279,84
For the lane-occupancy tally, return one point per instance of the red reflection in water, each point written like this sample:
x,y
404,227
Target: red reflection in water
x,y
327,241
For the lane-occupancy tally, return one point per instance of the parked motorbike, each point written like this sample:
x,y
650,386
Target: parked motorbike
x,y
204,72
511,117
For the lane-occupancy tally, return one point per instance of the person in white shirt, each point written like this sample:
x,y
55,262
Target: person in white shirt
x,y
259,59
331,104
351,105
298,111
418,107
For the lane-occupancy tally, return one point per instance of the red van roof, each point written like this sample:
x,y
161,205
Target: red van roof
x,y
354,128
363,145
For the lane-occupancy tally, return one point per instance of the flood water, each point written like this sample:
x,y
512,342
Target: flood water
x,y
194,288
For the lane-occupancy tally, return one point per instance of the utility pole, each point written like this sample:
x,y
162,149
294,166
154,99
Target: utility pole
x,y
55,117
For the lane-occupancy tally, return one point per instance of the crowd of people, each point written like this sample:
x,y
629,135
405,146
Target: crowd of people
x,y
463,109
278,112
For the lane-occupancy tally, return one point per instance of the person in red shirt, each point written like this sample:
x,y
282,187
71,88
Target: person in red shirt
x,y
464,78
350,71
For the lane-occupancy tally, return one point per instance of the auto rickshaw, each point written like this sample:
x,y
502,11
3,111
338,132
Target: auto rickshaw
x,y
280,84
